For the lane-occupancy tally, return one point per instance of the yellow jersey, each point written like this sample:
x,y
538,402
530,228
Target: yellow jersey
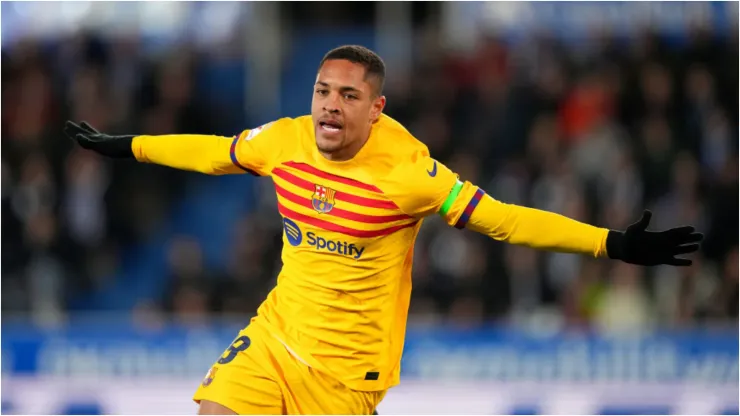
x,y
342,296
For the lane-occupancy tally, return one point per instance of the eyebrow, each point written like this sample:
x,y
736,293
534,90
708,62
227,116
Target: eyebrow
x,y
342,89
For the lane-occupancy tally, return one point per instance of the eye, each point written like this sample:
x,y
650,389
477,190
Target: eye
x,y
350,97
322,92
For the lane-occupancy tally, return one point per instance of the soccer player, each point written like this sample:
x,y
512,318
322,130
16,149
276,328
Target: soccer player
x,y
353,188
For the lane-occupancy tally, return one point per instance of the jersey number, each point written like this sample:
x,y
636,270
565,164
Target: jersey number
x,y
240,344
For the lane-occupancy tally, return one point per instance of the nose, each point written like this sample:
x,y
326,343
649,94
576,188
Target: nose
x,y
331,104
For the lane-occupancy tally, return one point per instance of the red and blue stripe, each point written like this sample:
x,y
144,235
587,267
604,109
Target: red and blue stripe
x,y
235,161
465,217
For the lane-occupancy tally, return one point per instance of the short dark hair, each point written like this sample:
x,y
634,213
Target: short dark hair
x,y
373,63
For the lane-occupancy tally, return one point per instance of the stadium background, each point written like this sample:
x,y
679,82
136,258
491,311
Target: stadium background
x,y
121,283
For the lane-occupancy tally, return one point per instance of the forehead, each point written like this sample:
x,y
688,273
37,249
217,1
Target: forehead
x,y
343,73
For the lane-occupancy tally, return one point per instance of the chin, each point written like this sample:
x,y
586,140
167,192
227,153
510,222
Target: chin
x,y
328,144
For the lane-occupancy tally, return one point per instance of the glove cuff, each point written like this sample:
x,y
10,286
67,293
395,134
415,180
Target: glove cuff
x,y
121,147
615,244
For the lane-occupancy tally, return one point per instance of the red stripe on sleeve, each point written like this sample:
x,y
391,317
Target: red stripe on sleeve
x,y
465,217
235,161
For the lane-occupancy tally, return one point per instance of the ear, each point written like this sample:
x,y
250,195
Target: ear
x,y
377,108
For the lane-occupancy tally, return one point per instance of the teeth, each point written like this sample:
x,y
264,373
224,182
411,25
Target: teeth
x,y
330,128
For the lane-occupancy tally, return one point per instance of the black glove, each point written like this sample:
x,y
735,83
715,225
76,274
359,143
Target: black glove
x,y
89,138
647,248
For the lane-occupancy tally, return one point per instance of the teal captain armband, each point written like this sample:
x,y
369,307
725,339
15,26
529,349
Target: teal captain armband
x,y
454,192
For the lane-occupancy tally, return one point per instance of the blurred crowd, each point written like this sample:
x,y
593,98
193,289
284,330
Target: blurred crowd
x,y
596,132
66,213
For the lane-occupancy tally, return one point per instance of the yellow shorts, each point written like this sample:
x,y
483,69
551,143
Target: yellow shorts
x,y
258,375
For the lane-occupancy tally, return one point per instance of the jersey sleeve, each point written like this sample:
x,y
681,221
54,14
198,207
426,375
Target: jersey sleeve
x,y
421,185
256,151
192,152
252,151
424,186
536,228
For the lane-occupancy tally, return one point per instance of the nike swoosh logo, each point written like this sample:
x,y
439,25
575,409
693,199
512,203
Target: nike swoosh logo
x,y
433,172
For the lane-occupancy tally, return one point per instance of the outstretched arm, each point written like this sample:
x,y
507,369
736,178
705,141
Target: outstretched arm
x,y
531,227
436,189
213,155
199,153
549,231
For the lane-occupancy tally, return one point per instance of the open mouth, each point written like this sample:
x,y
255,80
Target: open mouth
x,y
330,126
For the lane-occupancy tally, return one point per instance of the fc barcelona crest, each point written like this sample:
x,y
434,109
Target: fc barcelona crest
x,y
323,199
209,377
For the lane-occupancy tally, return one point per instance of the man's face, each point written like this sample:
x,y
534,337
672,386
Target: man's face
x,y
343,108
